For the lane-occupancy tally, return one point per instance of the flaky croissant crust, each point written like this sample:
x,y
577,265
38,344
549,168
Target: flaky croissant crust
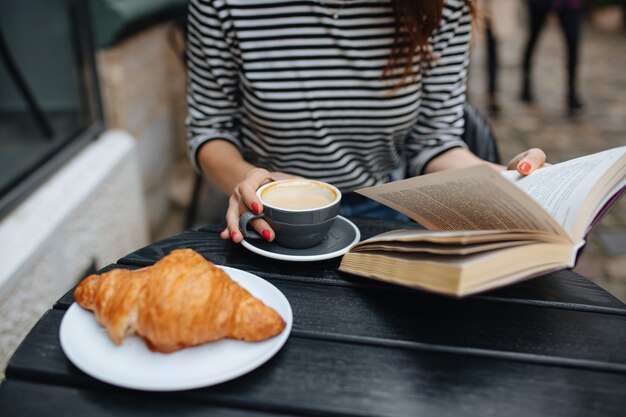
x,y
182,300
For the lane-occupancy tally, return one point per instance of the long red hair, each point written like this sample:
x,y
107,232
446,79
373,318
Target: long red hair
x,y
416,20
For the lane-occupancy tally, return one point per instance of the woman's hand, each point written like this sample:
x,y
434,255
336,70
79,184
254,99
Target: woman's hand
x,y
244,198
221,161
524,163
528,161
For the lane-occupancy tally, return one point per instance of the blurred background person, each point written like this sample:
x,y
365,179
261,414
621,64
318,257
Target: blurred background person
x,y
491,57
497,17
491,65
569,13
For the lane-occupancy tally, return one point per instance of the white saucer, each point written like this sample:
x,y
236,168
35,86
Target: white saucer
x,y
341,236
133,365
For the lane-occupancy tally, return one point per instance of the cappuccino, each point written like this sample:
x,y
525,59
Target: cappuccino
x,y
300,211
298,195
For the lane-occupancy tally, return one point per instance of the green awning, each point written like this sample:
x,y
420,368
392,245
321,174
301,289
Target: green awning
x,y
115,19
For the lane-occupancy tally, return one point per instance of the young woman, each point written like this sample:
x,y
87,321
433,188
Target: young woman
x,y
351,92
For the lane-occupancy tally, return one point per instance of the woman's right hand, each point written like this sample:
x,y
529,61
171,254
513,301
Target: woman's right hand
x,y
244,198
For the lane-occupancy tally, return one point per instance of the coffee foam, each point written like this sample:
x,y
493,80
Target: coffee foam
x,y
298,195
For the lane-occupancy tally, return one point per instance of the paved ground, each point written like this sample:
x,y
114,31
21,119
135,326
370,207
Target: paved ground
x,y
601,124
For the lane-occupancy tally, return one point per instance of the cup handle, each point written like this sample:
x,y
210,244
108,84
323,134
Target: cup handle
x,y
243,225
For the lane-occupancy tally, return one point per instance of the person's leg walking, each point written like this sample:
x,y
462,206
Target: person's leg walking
x,y
492,69
537,13
570,20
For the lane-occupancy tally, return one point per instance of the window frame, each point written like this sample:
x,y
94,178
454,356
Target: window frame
x,y
86,64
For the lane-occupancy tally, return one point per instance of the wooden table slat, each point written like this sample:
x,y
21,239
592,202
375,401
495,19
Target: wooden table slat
x,y
27,399
463,324
325,377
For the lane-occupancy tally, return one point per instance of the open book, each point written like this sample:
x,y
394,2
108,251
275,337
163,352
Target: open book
x,y
488,229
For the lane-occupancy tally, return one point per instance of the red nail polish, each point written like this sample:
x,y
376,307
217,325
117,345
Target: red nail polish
x,y
525,167
255,208
233,234
266,234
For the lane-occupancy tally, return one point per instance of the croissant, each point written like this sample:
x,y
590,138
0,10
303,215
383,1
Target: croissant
x,y
182,300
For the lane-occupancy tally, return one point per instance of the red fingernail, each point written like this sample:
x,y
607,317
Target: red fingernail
x,y
266,234
524,167
255,208
233,234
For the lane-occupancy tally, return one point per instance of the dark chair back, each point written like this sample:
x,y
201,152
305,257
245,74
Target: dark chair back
x,y
478,135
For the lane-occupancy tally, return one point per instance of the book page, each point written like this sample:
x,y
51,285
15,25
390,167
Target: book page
x,y
564,189
460,237
437,249
473,198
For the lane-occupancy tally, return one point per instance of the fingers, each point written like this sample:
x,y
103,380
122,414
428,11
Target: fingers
x,y
232,221
244,198
247,189
528,161
263,228
246,192
232,230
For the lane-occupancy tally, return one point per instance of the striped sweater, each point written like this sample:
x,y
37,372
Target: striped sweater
x,y
296,86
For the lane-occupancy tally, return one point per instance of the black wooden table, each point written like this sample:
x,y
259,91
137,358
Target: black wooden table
x,y
554,345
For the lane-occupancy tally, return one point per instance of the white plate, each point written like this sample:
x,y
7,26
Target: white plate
x,y
133,365
341,236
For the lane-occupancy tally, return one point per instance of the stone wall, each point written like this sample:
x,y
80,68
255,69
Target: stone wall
x,y
143,85
91,212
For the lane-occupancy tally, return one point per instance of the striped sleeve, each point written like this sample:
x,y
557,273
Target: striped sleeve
x,y
212,95
440,123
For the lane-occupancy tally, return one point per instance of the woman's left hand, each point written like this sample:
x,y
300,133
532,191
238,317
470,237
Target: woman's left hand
x,y
528,161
